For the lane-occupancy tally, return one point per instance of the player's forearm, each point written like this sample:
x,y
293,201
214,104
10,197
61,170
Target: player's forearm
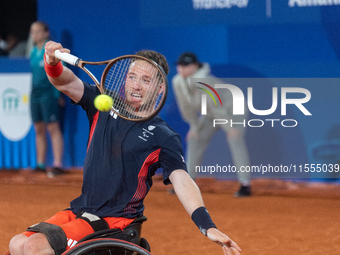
x,y
68,83
65,78
191,198
186,190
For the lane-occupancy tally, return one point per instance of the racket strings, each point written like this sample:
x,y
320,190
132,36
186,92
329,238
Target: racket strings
x,y
115,83
135,86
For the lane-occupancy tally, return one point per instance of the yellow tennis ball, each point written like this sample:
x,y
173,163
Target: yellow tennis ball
x,y
103,103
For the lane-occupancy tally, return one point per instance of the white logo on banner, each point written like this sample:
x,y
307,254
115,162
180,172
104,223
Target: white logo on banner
x,y
218,4
15,117
306,3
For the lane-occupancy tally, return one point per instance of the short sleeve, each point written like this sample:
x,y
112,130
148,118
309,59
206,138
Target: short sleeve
x,y
86,102
171,157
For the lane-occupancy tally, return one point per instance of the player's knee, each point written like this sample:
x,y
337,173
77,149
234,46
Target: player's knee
x,y
51,238
17,243
37,244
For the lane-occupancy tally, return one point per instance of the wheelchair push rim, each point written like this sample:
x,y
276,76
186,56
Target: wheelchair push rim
x,y
108,246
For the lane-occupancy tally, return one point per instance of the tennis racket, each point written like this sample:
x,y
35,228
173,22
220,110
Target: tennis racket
x,y
137,85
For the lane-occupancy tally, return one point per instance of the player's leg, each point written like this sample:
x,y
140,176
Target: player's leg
x,y
17,243
38,244
46,237
35,244
31,242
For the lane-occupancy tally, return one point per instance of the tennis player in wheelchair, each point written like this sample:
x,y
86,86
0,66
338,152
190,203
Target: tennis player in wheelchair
x,y
118,167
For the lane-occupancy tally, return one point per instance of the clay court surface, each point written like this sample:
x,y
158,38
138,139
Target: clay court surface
x,y
281,218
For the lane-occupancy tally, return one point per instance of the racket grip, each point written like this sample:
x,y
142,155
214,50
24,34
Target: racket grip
x,y
66,57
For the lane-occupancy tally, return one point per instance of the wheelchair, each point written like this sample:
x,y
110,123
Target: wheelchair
x,y
113,242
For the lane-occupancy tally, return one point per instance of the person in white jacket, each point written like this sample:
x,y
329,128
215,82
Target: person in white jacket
x,y
188,99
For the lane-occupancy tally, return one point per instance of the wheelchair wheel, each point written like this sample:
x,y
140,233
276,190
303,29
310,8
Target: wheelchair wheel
x,y
107,246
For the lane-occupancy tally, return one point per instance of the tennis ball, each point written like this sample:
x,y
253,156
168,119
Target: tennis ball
x,y
103,103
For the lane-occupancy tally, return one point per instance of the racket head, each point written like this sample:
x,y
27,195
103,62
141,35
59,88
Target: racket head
x,y
137,85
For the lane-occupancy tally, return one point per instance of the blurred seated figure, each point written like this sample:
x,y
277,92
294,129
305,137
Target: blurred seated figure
x,y
15,46
3,47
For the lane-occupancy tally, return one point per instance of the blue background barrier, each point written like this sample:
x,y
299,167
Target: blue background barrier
x,y
282,39
16,154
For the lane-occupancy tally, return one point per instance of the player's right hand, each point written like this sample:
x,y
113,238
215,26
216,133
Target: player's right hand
x,y
229,247
50,48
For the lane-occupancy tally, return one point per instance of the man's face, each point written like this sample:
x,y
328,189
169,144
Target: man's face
x,y
142,85
187,70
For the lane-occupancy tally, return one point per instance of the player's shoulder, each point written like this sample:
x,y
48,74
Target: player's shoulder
x,y
91,87
158,134
160,127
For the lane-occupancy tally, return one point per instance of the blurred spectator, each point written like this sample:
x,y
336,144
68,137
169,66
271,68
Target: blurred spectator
x,y
3,47
45,104
16,18
201,128
15,46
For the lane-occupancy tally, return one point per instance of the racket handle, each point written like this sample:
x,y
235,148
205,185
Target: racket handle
x,y
66,57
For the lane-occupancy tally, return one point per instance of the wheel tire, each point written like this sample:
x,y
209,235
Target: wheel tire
x,y
144,244
104,245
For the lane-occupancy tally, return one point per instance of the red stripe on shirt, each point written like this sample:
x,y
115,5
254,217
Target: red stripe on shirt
x,y
93,127
142,176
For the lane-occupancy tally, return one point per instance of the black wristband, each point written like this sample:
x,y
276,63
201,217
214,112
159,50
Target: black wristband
x,y
202,220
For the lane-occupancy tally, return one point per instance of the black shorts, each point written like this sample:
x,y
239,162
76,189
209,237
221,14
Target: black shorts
x,y
46,110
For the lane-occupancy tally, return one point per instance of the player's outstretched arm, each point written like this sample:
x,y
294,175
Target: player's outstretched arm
x,y
60,76
191,198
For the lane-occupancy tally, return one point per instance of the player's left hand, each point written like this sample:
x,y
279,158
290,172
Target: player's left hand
x,y
229,246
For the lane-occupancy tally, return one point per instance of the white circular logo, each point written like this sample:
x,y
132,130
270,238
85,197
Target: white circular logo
x,y
15,117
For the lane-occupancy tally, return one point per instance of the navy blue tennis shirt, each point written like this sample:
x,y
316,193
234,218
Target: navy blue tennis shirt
x,y
121,158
